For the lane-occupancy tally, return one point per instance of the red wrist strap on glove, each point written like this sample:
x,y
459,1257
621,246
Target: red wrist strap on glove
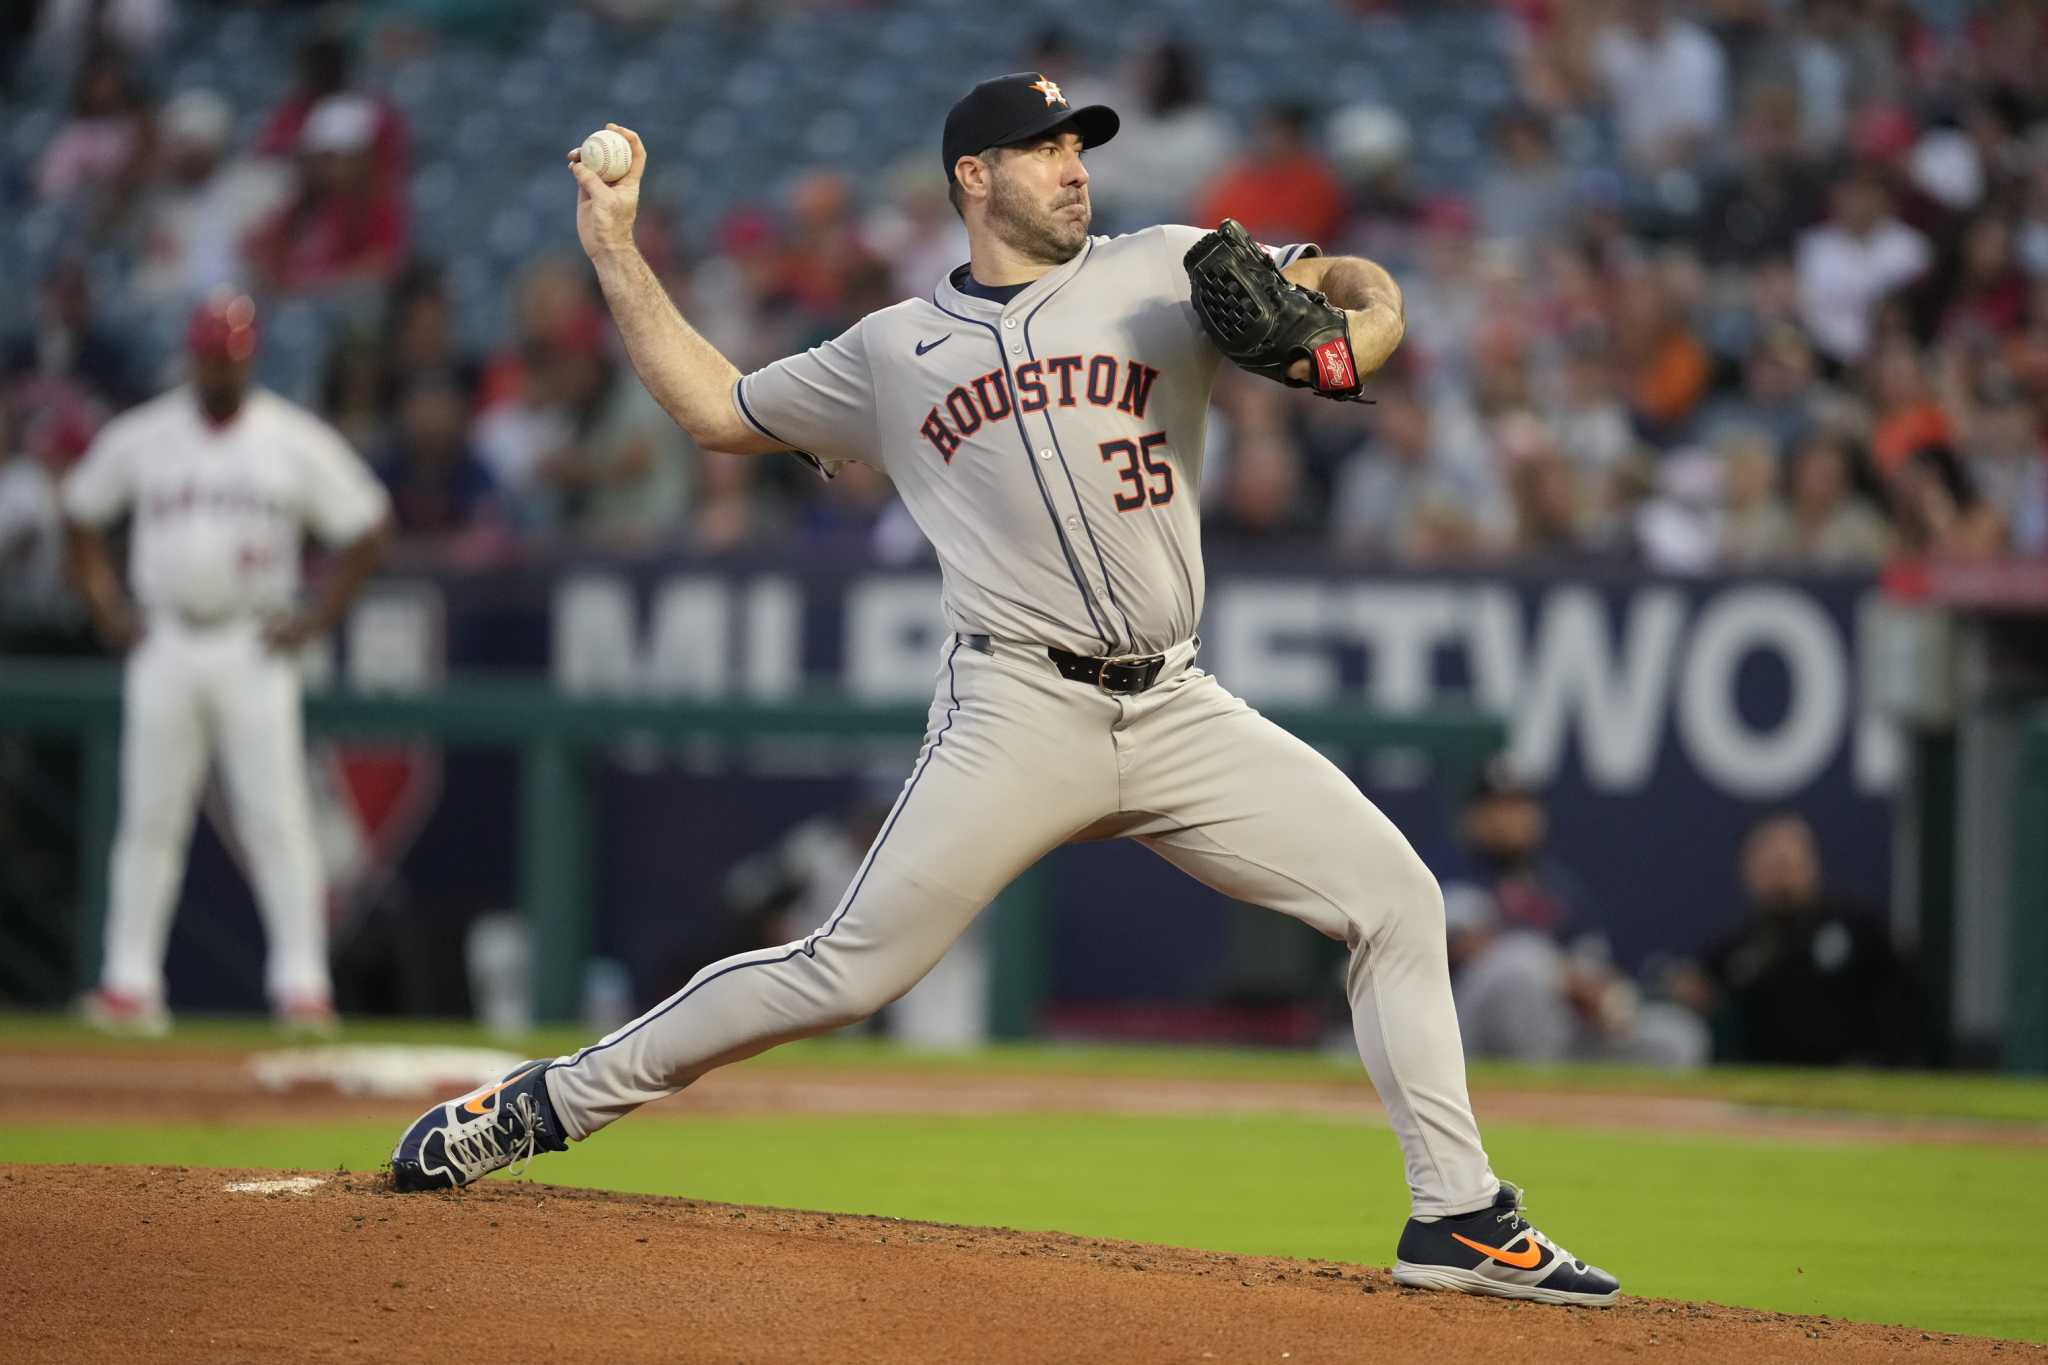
x,y
1334,367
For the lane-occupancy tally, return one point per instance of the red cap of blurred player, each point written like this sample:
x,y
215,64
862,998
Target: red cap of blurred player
x,y
223,328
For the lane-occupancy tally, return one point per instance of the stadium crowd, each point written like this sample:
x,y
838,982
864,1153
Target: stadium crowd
x,y
1798,319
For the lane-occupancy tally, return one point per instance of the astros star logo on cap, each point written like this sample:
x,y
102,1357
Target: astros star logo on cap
x,y
1049,90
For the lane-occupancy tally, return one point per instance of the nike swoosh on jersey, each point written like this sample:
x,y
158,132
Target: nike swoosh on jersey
x,y
924,346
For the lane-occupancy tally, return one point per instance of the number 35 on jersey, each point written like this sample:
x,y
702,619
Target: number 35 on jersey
x,y
1064,381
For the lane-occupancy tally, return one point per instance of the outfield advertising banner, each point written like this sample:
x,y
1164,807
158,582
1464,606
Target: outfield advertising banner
x,y
1660,718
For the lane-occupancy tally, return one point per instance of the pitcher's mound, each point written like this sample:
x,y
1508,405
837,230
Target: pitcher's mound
x,y
180,1263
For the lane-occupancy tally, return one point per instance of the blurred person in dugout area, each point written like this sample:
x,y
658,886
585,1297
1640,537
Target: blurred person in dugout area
x,y
1805,977
1530,971
218,481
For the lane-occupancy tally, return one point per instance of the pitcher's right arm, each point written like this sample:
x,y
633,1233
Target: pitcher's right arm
x,y
687,375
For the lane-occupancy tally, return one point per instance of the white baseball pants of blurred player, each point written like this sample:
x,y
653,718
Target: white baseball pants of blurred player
x,y
1018,760
194,693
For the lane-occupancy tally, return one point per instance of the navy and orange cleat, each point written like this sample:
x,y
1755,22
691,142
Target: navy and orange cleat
x,y
1496,1251
488,1129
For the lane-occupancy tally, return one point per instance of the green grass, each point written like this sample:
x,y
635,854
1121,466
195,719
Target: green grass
x,y
1997,1099
1936,1237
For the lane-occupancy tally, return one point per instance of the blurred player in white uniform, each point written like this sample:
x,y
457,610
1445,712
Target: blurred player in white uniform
x,y
220,480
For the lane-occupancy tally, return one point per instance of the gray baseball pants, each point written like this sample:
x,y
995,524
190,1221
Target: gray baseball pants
x,y
1018,760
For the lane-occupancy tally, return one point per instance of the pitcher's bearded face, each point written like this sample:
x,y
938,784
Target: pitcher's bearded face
x,y
1038,199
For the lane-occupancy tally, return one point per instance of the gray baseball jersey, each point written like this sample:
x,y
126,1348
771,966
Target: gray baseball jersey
x,y
1050,447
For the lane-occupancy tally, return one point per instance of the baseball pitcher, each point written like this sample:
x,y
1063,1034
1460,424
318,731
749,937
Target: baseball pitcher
x,y
219,480
1041,414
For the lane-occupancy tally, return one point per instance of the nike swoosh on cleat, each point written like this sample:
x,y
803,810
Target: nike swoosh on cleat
x,y
924,346
1526,1259
475,1103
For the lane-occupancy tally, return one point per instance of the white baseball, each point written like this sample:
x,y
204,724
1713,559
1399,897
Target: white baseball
x,y
608,154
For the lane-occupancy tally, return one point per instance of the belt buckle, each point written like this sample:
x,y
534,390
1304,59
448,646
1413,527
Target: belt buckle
x,y
1127,660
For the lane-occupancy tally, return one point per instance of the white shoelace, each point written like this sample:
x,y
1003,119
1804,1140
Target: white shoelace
x,y
484,1151
1519,1212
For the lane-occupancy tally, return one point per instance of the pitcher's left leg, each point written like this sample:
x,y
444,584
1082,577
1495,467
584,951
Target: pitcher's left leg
x,y
1257,814
1252,811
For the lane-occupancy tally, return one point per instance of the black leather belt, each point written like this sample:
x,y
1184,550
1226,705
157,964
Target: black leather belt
x,y
1123,674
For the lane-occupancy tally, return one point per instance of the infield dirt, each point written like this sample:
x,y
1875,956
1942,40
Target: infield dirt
x,y
167,1264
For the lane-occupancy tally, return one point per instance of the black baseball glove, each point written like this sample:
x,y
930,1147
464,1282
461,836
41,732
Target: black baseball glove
x,y
1265,323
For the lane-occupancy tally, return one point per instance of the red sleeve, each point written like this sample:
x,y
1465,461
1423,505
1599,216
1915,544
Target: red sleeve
x,y
384,231
281,137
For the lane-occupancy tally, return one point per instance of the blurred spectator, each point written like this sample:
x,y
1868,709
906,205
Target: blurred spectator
x,y
1591,421
352,392
1171,137
1947,165
204,205
420,340
1441,293
549,291
1756,527
344,224
729,511
1668,365
1761,203
1781,393
1282,189
1667,78
2008,43
438,485
38,611
515,435
1840,64
823,258
1804,979
67,351
622,479
1938,509
1530,973
1678,527
1908,415
1262,499
1543,489
98,155
1396,494
859,509
1833,526
1847,264
1985,296
1504,833
1527,193
323,63
916,231
2008,463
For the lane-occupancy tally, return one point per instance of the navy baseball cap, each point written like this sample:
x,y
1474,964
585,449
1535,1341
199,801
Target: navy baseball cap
x,y
1015,108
